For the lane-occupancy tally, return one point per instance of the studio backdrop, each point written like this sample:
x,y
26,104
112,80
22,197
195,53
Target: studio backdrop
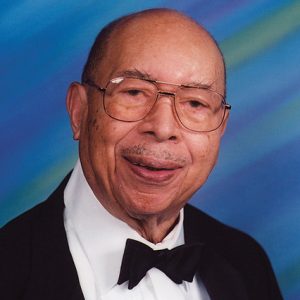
x,y
256,185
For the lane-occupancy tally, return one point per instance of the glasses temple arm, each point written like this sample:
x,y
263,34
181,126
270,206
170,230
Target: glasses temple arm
x,y
94,85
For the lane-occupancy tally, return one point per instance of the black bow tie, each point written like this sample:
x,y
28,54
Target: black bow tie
x,y
180,263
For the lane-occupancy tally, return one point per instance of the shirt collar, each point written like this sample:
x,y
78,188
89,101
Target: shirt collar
x,y
101,235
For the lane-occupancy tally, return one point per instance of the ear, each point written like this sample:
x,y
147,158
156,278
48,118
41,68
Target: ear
x,y
76,106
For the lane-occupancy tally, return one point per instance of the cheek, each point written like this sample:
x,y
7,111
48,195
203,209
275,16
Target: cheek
x,y
101,129
105,134
97,146
204,153
202,148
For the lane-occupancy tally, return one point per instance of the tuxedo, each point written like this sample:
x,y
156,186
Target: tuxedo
x,y
36,263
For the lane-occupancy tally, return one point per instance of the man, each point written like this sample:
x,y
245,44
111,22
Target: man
x,y
149,116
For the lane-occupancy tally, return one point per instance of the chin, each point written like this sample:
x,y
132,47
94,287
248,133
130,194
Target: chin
x,y
142,207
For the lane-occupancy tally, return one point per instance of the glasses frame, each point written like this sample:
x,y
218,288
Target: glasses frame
x,y
100,89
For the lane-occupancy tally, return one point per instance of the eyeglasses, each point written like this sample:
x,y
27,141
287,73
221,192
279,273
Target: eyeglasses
x,y
130,99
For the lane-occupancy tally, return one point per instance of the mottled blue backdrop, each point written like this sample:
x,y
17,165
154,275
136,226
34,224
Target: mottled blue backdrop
x,y
256,185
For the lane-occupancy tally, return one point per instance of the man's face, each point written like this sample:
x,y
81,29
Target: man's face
x,y
153,166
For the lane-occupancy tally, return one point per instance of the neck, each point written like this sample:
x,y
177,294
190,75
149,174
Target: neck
x,y
153,228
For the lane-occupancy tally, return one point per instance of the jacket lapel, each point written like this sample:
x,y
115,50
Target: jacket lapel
x,y
53,272
221,279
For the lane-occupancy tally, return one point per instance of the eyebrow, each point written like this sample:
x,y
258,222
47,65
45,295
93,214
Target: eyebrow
x,y
196,84
135,73
144,75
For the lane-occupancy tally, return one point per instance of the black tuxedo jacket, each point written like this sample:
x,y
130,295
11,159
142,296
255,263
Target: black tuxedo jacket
x,y
35,261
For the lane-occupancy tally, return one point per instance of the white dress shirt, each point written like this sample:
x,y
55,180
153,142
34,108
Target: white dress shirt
x,y
97,240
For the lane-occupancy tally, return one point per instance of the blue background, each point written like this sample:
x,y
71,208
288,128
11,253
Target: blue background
x,y
256,185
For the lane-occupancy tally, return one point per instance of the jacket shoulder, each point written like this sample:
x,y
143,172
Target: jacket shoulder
x,y
216,233
21,226
239,249
15,253
16,244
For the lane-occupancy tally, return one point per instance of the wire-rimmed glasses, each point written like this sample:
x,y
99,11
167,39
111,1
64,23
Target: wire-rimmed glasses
x,y
130,99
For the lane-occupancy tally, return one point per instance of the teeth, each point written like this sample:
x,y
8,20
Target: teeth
x,y
153,169
137,164
147,167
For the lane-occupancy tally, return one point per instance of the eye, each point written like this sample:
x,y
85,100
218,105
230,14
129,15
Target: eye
x,y
134,92
195,103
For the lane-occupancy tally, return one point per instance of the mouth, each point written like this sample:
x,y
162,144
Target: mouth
x,y
149,167
152,170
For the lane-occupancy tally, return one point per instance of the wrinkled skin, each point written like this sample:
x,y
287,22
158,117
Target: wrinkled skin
x,y
144,172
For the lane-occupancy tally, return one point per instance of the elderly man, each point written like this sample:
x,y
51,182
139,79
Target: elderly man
x,y
149,116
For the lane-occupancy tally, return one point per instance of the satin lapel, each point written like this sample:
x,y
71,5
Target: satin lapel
x,y
221,279
53,272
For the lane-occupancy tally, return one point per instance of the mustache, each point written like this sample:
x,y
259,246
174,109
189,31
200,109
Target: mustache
x,y
143,150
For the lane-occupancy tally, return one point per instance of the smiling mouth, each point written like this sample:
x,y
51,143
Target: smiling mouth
x,y
153,171
151,165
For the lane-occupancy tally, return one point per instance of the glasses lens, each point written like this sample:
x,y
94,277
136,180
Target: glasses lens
x,y
129,99
200,109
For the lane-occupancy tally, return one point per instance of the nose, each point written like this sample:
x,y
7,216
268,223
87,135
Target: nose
x,y
161,122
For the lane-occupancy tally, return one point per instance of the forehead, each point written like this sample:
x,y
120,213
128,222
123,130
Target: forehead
x,y
168,48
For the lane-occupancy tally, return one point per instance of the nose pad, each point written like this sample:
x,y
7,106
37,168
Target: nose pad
x,y
167,94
